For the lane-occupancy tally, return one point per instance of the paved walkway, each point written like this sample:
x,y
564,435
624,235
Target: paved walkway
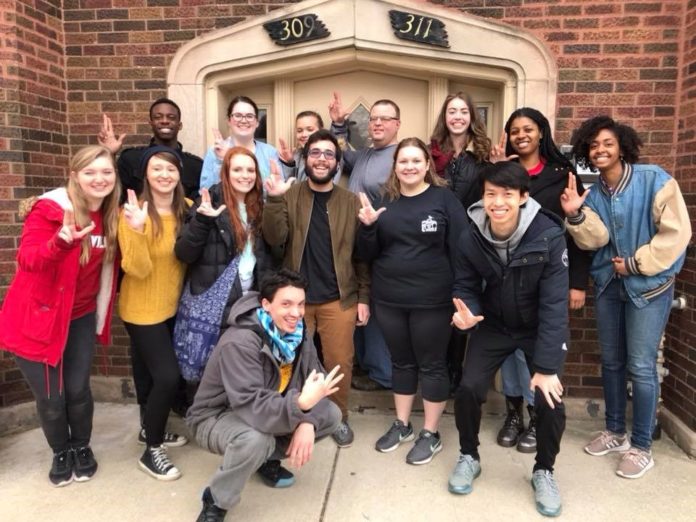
x,y
351,485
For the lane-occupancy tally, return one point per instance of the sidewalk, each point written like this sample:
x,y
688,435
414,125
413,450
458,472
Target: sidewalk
x,y
351,485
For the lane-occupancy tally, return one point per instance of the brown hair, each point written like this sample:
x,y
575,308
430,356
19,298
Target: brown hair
x,y
476,133
392,187
82,159
253,199
179,206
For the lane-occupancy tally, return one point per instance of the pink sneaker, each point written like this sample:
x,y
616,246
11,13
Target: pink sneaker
x,y
606,442
635,463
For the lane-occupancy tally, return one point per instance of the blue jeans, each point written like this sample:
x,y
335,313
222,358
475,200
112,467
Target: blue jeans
x,y
629,338
372,352
515,374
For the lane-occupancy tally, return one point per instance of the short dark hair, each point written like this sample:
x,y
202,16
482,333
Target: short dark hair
x,y
242,99
278,279
321,135
158,101
386,101
629,141
506,174
311,114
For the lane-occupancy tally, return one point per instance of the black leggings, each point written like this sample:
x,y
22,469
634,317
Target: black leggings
x,y
152,355
417,339
65,415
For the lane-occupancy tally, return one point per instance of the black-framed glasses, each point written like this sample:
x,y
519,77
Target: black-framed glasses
x,y
238,116
317,153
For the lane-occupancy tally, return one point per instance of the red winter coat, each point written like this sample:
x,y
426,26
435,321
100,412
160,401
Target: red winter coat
x,y
36,314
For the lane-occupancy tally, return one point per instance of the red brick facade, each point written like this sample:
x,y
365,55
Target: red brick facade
x,y
63,63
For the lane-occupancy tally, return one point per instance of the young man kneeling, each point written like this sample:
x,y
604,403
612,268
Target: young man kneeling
x,y
511,283
263,394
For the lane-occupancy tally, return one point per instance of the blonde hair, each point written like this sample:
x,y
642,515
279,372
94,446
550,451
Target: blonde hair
x,y
109,207
392,187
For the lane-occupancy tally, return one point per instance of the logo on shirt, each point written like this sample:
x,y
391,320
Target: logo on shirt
x,y
98,241
564,258
429,225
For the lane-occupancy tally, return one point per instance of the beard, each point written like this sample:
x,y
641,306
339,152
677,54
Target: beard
x,y
321,180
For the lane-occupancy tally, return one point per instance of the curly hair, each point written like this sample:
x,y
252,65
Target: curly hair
x,y
548,150
476,134
629,141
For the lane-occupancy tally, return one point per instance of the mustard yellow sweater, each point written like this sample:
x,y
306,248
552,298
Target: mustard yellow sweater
x,y
153,278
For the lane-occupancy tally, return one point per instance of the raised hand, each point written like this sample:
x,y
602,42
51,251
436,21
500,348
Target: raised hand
x,y
285,152
463,318
336,111
275,185
550,387
317,386
571,201
69,232
206,207
498,151
134,214
107,138
220,147
367,214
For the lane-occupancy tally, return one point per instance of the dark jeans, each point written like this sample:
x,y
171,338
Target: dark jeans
x,y
65,414
487,350
417,339
152,351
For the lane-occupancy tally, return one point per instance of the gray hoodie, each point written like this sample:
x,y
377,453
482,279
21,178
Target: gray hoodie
x,y
504,247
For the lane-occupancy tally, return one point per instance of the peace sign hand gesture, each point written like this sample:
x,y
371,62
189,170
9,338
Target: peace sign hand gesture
x,y
571,201
336,111
284,152
221,146
69,232
498,151
107,138
205,208
275,185
367,214
463,318
134,214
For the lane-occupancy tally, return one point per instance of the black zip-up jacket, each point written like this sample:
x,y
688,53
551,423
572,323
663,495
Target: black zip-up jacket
x,y
527,297
208,246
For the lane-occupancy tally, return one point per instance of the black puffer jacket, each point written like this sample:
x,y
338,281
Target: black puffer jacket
x,y
207,245
464,177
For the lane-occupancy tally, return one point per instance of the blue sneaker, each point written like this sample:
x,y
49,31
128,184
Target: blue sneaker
x,y
546,494
462,478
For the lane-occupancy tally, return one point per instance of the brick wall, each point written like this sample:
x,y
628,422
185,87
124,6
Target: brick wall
x,y
615,57
33,131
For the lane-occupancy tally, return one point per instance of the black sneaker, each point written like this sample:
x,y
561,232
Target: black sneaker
x,y
61,473
275,476
528,440
210,512
343,435
155,462
426,447
85,464
396,434
170,440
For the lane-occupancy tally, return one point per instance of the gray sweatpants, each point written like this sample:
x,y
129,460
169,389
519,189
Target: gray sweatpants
x,y
244,450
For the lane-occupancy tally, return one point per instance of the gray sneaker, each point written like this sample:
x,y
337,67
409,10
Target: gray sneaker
x,y
635,463
462,478
396,434
426,447
546,494
606,442
343,435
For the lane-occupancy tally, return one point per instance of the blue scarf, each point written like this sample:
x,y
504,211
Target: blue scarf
x,y
283,346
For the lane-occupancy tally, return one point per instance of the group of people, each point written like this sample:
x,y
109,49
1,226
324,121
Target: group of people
x,y
245,274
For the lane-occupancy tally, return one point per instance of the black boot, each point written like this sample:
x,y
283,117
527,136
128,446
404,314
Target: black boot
x,y
527,442
210,512
513,425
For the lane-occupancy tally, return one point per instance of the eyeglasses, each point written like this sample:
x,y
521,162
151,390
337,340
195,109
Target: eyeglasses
x,y
238,116
317,153
383,119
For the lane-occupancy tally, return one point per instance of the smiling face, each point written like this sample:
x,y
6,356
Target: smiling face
x,y
318,167
165,122
287,308
410,167
304,128
605,153
524,136
457,117
383,125
502,206
242,174
97,180
243,121
162,176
